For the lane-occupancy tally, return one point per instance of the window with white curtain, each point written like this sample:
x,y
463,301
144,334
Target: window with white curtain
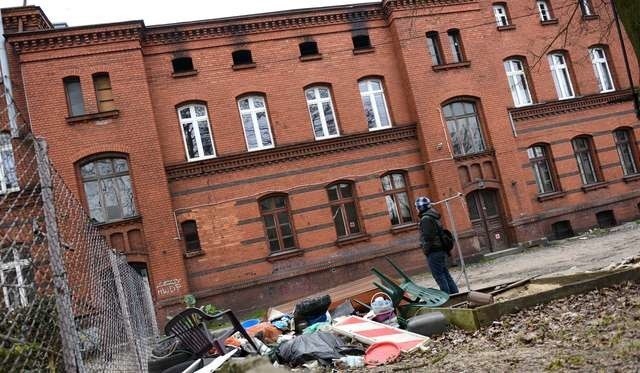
x,y
255,122
518,82
374,103
196,132
561,77
323,118
601,69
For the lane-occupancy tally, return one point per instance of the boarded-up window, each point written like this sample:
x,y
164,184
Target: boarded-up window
x,y
134,237
104,96
117,241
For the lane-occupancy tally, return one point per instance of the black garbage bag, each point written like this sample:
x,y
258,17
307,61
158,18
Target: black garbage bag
x,y
312,307
321,346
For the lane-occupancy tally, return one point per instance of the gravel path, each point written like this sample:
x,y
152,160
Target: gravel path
x,y
577,254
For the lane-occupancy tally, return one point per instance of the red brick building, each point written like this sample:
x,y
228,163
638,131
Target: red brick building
x,y
255,159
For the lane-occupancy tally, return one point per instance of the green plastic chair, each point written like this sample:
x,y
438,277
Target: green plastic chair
x,y
417,294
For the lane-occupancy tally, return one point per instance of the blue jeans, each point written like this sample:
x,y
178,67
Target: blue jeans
x,y
438,265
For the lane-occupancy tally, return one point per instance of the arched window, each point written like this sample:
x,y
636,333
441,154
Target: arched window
x,y
627,150
375,104
464,127
255,122
320,107
586,7
561,76
107,187
73,90
394,186
308,48
196,132
343,209
588,165
517,76
190,235
601,69
544,10
542,167
277,223
104,95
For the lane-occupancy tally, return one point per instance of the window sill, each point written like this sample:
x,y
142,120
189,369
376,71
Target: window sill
x,y
449,66
364,50
185,74
549,22
631,178
590,17
506,28
310,57
110,224
349,240
282,255
465,157
403,228
193,254
93,116
244,66
549,196
595,186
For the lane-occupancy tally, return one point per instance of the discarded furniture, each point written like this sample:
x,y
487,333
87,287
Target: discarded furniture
x,y
190,327
424,294
417,294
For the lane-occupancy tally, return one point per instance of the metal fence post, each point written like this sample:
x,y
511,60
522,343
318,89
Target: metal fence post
x,y
68,333
149,307
126,317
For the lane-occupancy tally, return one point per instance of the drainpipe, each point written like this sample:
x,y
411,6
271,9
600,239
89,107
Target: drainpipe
x,y
626,59
6,81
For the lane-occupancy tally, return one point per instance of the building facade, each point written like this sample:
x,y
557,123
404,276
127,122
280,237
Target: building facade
x,y
256,159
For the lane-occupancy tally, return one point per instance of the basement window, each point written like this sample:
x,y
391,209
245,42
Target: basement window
x,y
361,42
182,65
308,48
562,229
242,57
606,219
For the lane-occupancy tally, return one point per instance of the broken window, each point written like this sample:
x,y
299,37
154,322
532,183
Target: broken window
x,y
182,64
374,103
435,49
394,186
196,132
242,57
190,235
343,209
73,90
104,95
308,48
463,125
255,122
277,223
361,42
107,187
16,276
323,120
586,158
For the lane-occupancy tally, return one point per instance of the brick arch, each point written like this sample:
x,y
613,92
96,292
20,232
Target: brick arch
x,y
463,97
98,149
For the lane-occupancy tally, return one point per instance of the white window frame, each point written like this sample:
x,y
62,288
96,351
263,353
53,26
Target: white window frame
x,y
371,94
500,12
585,6
561,76
253,111
543,9
601,68
16,264
319,102
7,150
196,128
516,74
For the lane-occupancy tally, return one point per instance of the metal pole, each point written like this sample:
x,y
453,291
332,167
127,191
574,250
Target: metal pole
x,y
6,80
455,236
126,317
636,105
68,333
149,306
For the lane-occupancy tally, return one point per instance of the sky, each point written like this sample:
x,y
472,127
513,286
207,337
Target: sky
x,y
86,12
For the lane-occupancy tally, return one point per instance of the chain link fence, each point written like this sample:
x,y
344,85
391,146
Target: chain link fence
x,y
68,301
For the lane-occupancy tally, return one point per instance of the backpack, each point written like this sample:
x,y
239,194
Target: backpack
x,y
446,237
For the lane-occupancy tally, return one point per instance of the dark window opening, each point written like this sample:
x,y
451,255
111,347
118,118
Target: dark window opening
x,y
191,238
182,64
73,90
242,57
562,229
361,42
606,219
455,42
308,48
435,49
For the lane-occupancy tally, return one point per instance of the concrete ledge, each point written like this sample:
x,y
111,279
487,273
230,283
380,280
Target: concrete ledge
x,y
501,253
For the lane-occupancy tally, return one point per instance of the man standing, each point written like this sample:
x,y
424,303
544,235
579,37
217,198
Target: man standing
x,y
431,243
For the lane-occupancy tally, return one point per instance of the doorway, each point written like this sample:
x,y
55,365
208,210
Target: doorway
x,y
486,218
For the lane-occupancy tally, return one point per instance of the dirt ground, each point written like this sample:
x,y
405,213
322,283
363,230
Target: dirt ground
x,y
577,254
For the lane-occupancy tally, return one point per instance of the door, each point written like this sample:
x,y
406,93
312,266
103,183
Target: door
x,y
485,215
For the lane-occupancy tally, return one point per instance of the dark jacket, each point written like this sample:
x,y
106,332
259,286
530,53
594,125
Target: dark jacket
x,y
429,238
